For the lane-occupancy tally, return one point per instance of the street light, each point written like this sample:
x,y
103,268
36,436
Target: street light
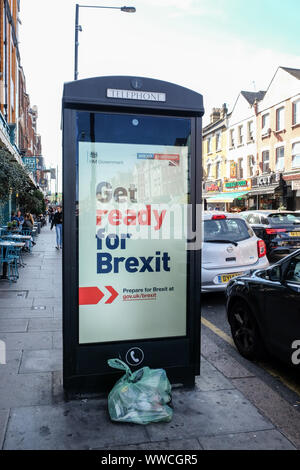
x,y
79,28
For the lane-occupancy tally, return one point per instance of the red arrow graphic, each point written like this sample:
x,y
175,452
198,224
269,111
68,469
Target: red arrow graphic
x,y
114,294
90,295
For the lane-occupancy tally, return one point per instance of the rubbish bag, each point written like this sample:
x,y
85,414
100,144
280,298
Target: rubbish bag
x,y
140,397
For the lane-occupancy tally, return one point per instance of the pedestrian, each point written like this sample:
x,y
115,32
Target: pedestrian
x,y
57,221
19,218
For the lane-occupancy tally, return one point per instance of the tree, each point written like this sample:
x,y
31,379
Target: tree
x,y
14,177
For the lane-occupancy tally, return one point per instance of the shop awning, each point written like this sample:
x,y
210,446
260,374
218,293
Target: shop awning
x,y
268,190
226,197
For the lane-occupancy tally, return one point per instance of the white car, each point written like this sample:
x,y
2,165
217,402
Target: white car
x,y
229,249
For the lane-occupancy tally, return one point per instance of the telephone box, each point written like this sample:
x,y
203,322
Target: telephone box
x,y
132,221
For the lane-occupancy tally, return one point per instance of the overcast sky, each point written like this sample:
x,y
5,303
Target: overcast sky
x,y
216,47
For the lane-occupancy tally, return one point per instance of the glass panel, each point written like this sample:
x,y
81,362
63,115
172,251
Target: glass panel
x,y
132,171
226,229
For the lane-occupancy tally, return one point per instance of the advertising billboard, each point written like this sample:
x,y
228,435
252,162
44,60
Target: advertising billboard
x,y
132,275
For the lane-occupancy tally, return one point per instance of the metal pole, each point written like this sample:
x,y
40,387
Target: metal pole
x,y
76,42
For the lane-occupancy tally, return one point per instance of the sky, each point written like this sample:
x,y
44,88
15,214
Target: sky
x,y
215,47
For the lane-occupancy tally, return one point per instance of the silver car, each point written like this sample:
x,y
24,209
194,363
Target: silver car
x,y
229,249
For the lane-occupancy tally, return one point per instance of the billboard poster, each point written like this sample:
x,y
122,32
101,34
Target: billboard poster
x,y
132,269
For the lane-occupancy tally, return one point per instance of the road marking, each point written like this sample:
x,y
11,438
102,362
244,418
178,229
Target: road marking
x,y
218,332
285,381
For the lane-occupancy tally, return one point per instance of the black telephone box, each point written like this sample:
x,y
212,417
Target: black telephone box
x,y
132,222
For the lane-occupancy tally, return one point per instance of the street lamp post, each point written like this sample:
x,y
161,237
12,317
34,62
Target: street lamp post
x,y
78,28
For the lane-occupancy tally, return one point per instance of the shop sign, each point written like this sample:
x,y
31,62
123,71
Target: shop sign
x,y
213,187
265,180
233,170
239,185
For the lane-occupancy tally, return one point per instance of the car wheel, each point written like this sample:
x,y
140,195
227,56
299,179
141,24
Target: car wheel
x,y
245,331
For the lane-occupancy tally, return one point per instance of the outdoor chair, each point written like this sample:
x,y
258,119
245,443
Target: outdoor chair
x,y
9,256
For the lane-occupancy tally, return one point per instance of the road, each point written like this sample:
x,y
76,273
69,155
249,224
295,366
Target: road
x,y
273,387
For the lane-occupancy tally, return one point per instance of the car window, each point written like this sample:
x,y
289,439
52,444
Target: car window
x,y
293,270
264,220
253,219
286,218
226,229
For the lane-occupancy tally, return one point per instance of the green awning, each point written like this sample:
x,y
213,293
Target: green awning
x,y
226,197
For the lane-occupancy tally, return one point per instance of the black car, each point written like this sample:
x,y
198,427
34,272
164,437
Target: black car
x,y
280,230
263,310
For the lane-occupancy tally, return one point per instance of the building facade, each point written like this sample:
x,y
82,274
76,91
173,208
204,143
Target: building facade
x,y
278,140
260,165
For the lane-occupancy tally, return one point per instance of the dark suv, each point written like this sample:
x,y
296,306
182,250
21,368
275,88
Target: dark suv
x,y
280,230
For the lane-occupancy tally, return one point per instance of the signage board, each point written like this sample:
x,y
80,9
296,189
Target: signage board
x,y
238,185
136,95
295,185
132,258
30,163
128,266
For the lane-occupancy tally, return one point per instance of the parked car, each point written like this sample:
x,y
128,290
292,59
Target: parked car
x,y
279,229
263,310
229,249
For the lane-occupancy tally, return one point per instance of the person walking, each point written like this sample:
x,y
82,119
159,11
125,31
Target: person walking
x,y
57,221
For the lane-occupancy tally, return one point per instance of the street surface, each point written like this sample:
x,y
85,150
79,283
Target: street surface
x,y
270,373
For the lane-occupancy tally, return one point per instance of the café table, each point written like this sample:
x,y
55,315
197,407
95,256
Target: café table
x,y
6,244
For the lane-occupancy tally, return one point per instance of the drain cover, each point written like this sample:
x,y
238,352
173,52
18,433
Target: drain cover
x,y
12,294
39,307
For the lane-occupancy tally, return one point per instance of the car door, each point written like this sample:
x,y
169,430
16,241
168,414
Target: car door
x,y
282,308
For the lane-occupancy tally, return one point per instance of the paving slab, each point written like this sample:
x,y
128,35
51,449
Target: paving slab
x,y
73,425
13,325
180,444
205,413
273,406
27,340
226,364
259,440
25,313
25,390
44,360
9,304
4,415
44,324
13,361
212,379
57,340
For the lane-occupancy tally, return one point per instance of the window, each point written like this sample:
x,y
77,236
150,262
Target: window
x,y
296,112
250,131
293,271
240,128
279,119
240,168
232,138
265,161
208,144
288,218
218,141
265,123
253,219
251,164
226,229
296,155
279,158
218,170
209,170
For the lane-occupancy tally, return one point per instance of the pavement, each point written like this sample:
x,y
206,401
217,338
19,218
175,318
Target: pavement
x,y
219,413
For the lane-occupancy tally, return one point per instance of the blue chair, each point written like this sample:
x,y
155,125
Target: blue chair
x,y
9,256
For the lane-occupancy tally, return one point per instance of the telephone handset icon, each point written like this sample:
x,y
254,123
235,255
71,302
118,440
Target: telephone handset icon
x,y
132,355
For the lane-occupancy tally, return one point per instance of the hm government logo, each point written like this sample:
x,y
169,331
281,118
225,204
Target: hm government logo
x,y
93,157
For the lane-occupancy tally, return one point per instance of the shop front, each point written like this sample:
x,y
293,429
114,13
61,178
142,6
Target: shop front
x,y
293,191
213,189
233,197
267,192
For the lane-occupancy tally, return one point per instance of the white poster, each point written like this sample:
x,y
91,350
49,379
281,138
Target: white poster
x,y
132,270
